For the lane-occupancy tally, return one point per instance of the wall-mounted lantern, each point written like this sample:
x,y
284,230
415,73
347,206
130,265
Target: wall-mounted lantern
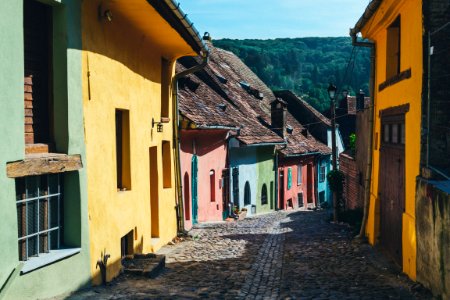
x,y
160,124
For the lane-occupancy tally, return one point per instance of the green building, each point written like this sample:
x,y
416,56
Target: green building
x,y
43,199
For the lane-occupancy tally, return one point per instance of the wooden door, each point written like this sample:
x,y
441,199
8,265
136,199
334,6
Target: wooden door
x,y
225,193
392,185
281,187
309,180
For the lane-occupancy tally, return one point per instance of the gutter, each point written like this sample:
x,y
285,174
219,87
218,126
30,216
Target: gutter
x,y
175,7
303,154
216,127
176,138
266,144
370,10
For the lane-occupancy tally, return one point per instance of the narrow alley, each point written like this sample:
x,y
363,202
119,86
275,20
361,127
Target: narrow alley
x,y
280,255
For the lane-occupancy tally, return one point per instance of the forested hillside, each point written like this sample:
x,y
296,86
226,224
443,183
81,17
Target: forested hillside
x,y
305,65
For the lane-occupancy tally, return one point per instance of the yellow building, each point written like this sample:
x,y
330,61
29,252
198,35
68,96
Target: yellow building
x,y
129,50
395,28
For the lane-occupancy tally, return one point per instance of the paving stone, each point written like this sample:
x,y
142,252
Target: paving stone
x,y
295,255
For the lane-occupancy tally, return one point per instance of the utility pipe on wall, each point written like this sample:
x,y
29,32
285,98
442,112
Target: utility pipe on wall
x,y
176,145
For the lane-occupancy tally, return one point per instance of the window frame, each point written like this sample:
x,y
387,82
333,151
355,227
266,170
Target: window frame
x,y
322,171
299,174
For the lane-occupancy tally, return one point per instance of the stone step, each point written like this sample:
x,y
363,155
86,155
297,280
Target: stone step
x,y
145,265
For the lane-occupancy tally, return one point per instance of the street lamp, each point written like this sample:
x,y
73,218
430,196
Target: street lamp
x,y
332,91
332,94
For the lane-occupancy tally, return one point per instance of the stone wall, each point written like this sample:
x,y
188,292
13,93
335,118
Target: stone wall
x,y
433,236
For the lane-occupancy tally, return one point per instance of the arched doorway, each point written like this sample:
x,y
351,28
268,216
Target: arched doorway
x,y
187,197
247,194
264,199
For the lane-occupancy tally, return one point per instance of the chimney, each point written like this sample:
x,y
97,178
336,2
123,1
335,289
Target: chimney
x,y
278,116
360,101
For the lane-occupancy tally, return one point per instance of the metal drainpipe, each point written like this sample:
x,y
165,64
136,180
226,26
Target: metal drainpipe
x,y
276,180
175,114
368,176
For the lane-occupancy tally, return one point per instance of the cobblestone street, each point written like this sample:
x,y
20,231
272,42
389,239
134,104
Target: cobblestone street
x,y
296,255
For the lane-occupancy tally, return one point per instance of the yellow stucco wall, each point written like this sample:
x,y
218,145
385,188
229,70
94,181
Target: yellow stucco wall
x,y
406,91
122,70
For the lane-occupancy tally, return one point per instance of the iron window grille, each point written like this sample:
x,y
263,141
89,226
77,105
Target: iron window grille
x,y
322,174
39,206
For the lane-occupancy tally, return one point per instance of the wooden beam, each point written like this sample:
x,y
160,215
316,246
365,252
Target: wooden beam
x,y
44,163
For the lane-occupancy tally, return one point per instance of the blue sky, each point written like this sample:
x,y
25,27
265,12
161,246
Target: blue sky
x,y
265,19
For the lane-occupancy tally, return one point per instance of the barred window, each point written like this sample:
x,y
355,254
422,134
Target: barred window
x,y
39,206
322,174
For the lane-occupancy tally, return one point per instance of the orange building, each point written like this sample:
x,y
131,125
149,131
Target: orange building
x,y
395,28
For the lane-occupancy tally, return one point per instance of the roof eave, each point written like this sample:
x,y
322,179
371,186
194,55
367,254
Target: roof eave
x,y
371,8
172,13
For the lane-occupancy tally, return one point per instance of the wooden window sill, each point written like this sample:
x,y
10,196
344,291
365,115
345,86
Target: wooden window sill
x,y
43,163
395,79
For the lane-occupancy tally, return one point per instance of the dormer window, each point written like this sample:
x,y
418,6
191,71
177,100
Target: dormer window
x,y
221,78
222,106
289,129
245,85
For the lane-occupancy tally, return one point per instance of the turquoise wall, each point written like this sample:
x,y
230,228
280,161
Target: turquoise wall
x,y
323,186
74,272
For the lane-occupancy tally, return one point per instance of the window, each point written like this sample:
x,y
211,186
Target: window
x,y
299,174
247,195
167,165
212,185
393,49
264,199
123,150
165,87
126,244
393,132
322,173
39,215
289,179
38,63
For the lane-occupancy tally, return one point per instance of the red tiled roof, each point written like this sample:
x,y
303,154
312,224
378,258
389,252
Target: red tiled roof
x,y
227,80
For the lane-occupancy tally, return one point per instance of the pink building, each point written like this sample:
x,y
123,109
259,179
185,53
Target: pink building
x,y
297,182
203,155
297,164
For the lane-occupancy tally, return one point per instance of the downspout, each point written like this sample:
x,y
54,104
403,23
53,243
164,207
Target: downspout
x,y
368,177
176,138
276,180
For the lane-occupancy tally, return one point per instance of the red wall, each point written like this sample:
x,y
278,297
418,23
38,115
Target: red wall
x,y
292,193
211,150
